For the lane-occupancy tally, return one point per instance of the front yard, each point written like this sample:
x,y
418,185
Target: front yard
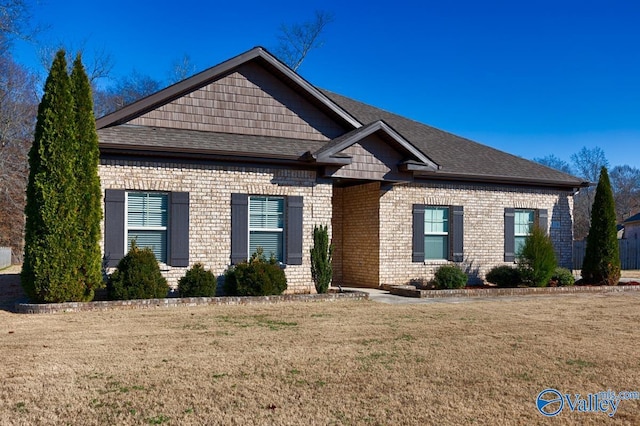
x,y
320,363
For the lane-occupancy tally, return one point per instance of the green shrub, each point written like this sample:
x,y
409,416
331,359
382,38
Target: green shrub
x,y
504,276
321,251
137,277
449,276
563,277
601,264
537,259
197,282
258,277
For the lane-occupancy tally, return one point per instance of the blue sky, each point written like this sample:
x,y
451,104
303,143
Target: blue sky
x,y
532,78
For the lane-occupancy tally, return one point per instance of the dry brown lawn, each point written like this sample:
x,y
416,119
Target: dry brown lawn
x,y
326,363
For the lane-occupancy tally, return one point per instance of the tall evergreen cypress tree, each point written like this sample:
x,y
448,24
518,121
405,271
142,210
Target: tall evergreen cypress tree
x,y
601,263
89,192
50,271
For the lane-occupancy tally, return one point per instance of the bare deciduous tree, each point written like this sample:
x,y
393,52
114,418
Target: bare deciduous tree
x,y
18,105
181,69
625,182
297,40
555,163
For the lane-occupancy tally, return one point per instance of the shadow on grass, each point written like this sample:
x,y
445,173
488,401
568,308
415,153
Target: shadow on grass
x,y
11,291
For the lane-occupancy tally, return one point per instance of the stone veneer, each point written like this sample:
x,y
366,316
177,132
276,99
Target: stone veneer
x,y
483,225
210,188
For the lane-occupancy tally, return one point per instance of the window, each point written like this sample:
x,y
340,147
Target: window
x,y
266,225
518,224
273,223
523,225
436,233
134,213
147,218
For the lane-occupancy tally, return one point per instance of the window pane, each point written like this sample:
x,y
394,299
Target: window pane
x,y
523,222
436,247
147,209
436,220
266,212
519,244
155,240
271,242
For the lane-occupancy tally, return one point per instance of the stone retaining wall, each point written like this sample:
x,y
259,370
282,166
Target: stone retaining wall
x,y
411,291
52,308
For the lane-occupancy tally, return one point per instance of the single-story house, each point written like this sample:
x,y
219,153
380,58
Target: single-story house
x,y
632,227
249,154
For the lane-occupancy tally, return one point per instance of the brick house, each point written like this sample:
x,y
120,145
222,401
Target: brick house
x,y
632,227
249,154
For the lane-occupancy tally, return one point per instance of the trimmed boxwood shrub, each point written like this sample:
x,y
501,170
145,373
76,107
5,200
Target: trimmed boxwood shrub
x,y
137,277
197,282
563,277
448,277
258,277
504,276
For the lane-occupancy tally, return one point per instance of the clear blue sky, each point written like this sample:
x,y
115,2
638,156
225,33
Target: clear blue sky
x,y
530,77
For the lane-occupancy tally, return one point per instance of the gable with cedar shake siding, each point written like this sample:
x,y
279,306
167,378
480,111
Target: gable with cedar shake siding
x,y
249,154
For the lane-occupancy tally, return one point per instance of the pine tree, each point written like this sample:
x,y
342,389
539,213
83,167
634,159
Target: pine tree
x,y
51,262
601,263
88,181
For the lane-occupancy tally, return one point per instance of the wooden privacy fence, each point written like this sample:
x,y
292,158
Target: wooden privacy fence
x,y
5,257
629,254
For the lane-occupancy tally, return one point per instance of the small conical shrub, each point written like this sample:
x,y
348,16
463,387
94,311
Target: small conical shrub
x,y
537,259
137,277
601,264
321,270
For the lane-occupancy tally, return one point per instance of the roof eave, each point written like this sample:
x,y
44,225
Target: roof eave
x,y
505,180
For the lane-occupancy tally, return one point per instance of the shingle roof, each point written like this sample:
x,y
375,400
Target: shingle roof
x,y
162,139
457,156
634,218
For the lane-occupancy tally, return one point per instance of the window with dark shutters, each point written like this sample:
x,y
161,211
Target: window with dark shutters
x,y
116,229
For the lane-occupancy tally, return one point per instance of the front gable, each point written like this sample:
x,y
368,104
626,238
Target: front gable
x,y
248,101
373,152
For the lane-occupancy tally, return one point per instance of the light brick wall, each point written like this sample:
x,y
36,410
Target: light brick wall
x,y
357,245
483,225
210,188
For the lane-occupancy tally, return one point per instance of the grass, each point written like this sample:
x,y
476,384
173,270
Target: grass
x,y
343,363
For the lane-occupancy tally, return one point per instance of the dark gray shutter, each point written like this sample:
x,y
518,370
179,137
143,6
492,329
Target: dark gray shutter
x,y
543,219
179,229
114,226
509,235
456,233
239,228
294,230
417,247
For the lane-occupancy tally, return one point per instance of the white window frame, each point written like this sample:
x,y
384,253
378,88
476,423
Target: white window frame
x,y
128,228
439,234
281,230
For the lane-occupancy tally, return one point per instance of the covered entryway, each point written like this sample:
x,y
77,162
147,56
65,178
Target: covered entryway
x,y
363,165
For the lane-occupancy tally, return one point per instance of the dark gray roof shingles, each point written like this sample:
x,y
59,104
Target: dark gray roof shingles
x,y
454,154
198,142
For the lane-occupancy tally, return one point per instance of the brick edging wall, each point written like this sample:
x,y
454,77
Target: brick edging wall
x,y
52,308
409,291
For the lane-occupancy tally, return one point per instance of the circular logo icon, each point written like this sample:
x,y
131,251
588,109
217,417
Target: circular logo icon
x,y
550,402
